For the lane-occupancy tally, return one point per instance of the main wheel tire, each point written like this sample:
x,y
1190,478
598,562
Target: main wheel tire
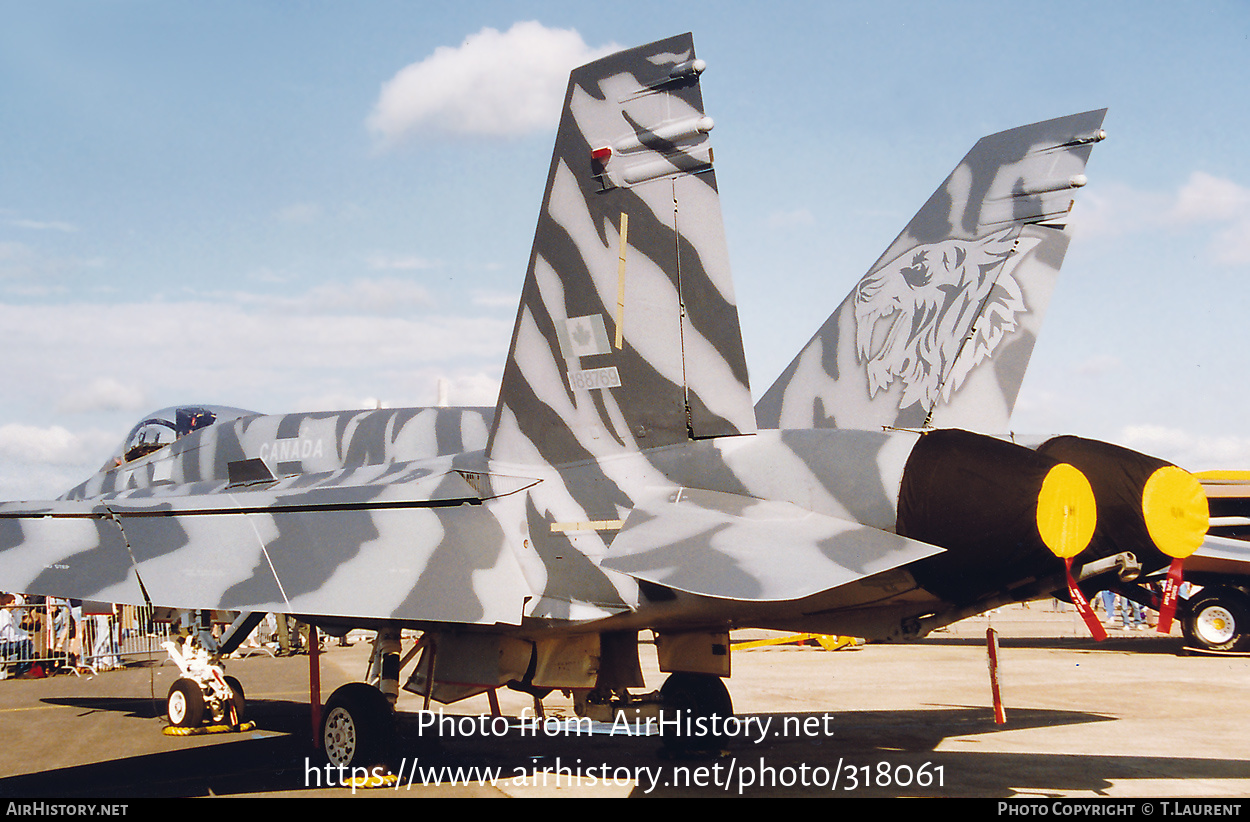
x,y
185,704
358,727
1218,619
237,701
695,700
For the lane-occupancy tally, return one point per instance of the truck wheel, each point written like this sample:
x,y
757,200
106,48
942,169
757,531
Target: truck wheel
x,y
1218,620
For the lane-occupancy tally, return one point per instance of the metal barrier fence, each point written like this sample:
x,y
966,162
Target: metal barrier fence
x,y
62,637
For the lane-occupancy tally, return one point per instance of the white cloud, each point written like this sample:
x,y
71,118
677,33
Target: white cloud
x,y
1194,452
1232,245
53,445
495,84
31,290
34,481
390,262
1202,200
41,463
495,299
472,389
101,394
254,356
418,389
1205,198
385,296
334,401
1116,209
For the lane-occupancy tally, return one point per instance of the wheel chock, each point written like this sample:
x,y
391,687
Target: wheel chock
x,y
386,780
171,730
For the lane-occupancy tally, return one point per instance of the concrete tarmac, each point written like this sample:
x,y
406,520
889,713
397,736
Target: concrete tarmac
x,y
1128,717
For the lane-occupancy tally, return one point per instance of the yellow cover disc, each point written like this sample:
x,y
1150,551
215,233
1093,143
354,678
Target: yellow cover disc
x,y
1066,511
1175,509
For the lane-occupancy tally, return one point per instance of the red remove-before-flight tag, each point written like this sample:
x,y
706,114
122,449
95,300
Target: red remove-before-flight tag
x,y
1082,605
1171,587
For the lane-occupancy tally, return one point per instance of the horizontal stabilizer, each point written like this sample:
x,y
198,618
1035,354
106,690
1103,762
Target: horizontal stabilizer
x,y
734,547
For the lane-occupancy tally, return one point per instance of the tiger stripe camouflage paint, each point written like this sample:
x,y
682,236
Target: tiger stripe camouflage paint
x,y
363,503
968,279
623,484
567,463
570,392
293,444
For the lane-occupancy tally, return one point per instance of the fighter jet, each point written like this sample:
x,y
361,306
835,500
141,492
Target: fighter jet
x,y
624,482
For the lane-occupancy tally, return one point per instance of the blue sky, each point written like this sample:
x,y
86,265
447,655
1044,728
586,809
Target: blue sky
x,y
217,202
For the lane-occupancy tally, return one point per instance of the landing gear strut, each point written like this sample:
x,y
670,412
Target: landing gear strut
x,y
203,692
358,724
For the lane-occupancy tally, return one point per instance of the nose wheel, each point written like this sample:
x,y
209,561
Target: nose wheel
x,y
185,704
190,704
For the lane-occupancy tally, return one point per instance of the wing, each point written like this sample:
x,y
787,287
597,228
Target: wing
x,y
413,542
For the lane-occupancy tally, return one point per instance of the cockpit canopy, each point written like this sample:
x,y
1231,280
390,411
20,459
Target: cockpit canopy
x,y
163,427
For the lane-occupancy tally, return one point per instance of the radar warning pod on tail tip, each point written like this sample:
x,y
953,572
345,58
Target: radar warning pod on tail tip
x,y
622,482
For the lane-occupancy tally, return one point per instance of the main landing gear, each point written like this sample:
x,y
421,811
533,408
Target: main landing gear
x,y
690,710
701,703
358,723
358,727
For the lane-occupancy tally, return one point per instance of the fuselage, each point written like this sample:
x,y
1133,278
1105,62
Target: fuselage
x,y
550,531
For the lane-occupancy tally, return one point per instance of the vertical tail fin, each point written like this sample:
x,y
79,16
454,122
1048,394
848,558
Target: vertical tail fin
x,y
627,336
940,330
